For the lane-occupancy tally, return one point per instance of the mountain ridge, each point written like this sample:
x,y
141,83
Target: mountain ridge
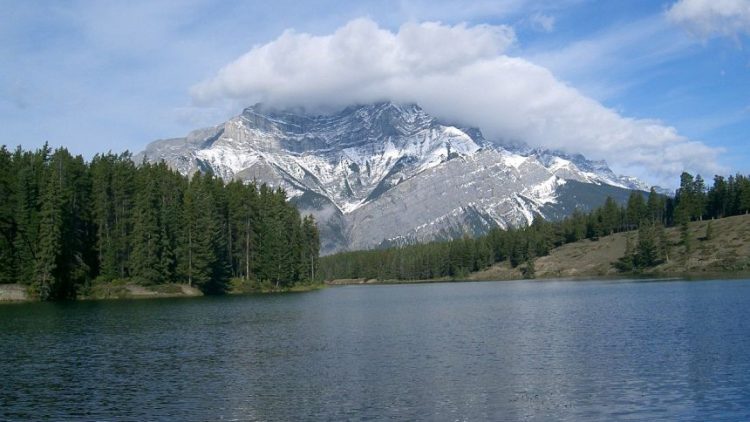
x,y
382,173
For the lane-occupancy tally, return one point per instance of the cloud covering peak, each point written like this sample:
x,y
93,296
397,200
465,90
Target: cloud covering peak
x,y
338,69
459,73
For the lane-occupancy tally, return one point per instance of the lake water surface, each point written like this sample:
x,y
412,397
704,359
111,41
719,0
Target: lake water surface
x,y
534,350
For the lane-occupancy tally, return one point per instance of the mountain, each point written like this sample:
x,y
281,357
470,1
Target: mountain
x,y
385,173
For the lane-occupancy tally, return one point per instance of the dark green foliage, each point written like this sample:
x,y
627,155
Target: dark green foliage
x,y
691,198
627,262
49,247
146,235
310,248
64,223
453,259
648,251
113,186
636,210
61,252
656,207
8,227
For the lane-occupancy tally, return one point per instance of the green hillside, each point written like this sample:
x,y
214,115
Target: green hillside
x,y
726,250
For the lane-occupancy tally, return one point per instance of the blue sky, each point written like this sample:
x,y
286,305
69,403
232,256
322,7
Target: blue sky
x,y
111,75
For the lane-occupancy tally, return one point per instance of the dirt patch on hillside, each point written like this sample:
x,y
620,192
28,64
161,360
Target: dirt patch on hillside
x,y
13,293
348,281
134,291
499,271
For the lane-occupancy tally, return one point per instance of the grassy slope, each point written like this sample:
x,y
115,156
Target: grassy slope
x,y
727,251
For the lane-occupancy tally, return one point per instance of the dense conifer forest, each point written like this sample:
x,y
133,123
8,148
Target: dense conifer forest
x,y
648,213
66,225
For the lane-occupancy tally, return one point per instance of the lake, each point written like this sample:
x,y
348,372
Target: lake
x,y
529,350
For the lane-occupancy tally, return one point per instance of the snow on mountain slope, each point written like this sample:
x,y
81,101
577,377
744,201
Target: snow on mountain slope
x,y
384,173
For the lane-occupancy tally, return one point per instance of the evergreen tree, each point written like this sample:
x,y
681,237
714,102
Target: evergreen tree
x,y
647,249
146,236
31,171
655,206
719,198
636,210
743,195
7,219
610,217
203,260
311,248
626,263
50,241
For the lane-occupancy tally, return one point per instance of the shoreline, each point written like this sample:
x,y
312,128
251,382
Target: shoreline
x,y
694,276
18,293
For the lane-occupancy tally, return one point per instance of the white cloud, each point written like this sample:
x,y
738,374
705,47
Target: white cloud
x,y
459,73
707,18
359,58
542,22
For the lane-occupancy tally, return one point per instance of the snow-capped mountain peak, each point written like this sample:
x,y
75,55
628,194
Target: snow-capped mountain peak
x,y
379,172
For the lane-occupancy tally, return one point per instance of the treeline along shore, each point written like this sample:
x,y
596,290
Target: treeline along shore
x,y
650,234
111,227
68,227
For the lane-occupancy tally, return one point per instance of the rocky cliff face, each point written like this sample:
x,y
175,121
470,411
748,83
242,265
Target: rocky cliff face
x,y
389,174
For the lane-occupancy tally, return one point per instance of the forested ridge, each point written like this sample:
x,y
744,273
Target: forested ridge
x,y
649,214
67,224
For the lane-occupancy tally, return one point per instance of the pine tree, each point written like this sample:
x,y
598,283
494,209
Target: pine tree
x,y
719,198
647,249
626,262
50,242
102,172
656,207
610,217
31,171
7,218
198,257
636,210
78,234
742,194
146,235
310,250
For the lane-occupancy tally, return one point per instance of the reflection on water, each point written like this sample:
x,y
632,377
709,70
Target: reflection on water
x,y
469,351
